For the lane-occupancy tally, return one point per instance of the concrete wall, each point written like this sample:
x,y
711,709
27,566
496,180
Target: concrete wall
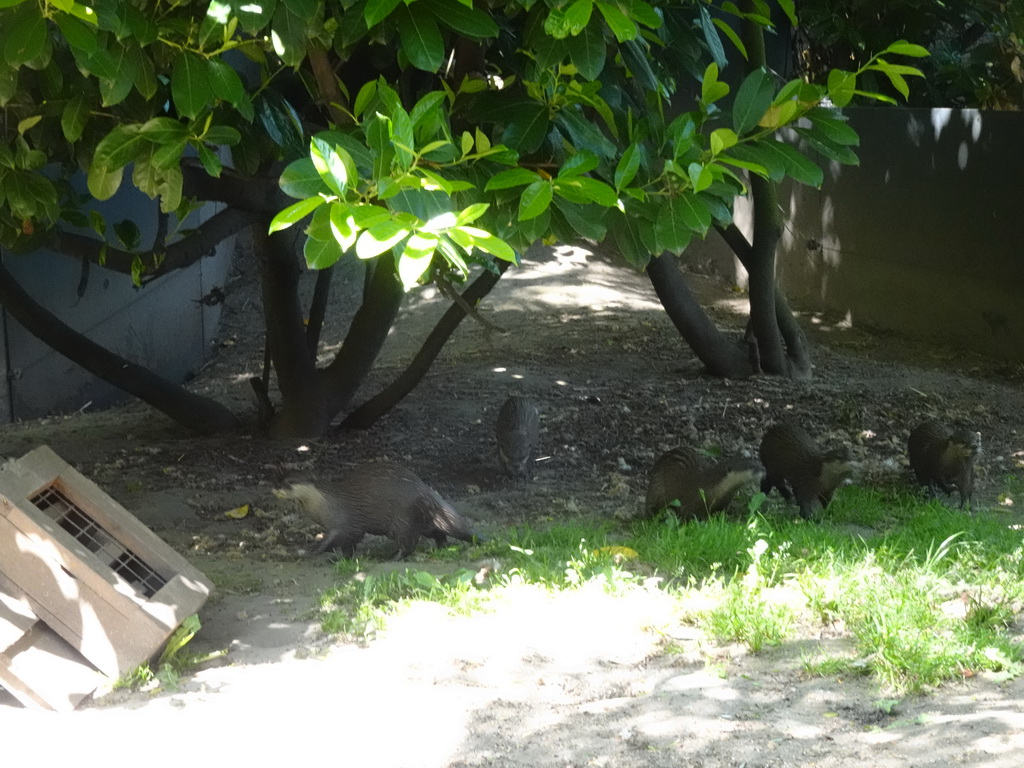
x,y
160,325
925,237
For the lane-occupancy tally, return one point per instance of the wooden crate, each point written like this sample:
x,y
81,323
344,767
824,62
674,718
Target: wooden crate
x,y
37,665
87,568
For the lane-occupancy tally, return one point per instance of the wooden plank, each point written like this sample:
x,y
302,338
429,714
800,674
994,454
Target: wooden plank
x,y
115,519
115,638
16,614
43,671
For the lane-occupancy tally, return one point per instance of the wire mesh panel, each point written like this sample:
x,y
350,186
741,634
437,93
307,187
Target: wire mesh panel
x,y
90,534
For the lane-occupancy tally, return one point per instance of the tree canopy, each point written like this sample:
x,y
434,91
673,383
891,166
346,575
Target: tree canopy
x,y
431,135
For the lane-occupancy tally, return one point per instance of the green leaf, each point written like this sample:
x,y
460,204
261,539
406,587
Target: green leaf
x,y
841,87
788,7
623,27
190,84
525,132
642,13
25,37
587,51
711,88
752,100
163,130
295,212
119,147
104,183
711,37
827,148
472,237
115,90
416,257
467,21
471,213
628,166
421,39
780,114
280,122
582,162
833,126
513,177
577,15
289,35
321,254
127,231
897,80
756,159
367,215
168,155
534,200
335,166
729,32
145,73
254,17
319,227
222,135
582,219
225,82
694,212
581,189
903,48
380,238
74,118
366,94
209,160
627,238
583,133
78,35
378,10
670,229
700,176
798,166
721,139
8,85
343,225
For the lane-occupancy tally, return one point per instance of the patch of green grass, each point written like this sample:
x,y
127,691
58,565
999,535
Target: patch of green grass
x,y
360,605
925,593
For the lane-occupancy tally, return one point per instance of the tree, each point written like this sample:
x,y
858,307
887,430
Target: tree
x,y
976,46
426,138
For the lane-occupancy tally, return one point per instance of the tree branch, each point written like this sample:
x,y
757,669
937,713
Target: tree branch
x,y
367,414
199,414
719,355
178,255
260,194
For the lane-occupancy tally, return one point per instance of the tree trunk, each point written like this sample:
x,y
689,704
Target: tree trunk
x,y
369,412
720,355
192,411
311,398
318,309
797,350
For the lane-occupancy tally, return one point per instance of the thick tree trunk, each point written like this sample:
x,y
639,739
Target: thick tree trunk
x,y
797,351
720,355
761,271
369,412
311,398
197,413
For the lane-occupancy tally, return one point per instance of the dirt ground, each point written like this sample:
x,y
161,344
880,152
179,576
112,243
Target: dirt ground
x,y
574,680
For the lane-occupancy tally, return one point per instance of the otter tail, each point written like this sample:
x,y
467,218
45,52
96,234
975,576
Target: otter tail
x,y
442,517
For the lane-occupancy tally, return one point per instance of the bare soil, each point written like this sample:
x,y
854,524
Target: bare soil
x,y
572,680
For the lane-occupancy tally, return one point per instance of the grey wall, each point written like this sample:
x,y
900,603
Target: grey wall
x,y
925,237
160,325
